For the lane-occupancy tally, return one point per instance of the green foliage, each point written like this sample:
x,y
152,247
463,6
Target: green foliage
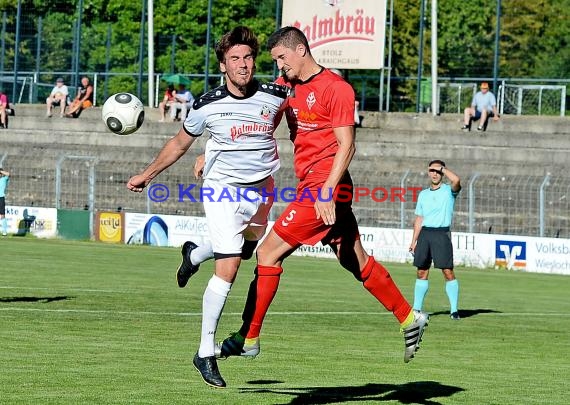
x,y
466,38
556,36
54,24
533,41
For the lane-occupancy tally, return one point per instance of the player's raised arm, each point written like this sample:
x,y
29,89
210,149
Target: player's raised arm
x,y
173,150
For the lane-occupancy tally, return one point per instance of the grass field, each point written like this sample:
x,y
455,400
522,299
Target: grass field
x,y
89,323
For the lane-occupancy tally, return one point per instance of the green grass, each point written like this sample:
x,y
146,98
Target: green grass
x,y
89,323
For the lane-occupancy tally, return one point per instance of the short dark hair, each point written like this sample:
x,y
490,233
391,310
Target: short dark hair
x,y
441,162
240,35
289,37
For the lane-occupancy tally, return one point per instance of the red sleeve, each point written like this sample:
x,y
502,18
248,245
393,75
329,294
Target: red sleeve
x,y
341,101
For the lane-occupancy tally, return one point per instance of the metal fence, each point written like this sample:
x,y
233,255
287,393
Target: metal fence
x,y
39,45
515,96
515,205
532,99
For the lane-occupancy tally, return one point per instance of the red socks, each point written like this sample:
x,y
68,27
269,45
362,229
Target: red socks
x,y
378,281
261,293
263,288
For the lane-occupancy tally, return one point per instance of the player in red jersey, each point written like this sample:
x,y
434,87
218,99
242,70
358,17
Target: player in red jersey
x,y
320,116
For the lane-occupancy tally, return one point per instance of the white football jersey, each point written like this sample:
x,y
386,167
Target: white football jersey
x,y
241,148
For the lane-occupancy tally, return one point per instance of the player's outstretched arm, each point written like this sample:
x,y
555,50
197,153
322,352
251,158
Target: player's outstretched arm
x,y
173,150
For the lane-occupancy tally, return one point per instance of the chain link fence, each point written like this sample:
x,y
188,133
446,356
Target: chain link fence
x,y
514,205
73,38
532,99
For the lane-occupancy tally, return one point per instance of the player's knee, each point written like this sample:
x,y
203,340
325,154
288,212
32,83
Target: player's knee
x,y
448,274
269,270
262,253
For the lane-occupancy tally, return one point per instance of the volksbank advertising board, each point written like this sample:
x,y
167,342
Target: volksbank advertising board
x,y
501,252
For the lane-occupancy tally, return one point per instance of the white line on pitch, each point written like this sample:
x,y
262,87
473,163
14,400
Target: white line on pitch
x,y
319,313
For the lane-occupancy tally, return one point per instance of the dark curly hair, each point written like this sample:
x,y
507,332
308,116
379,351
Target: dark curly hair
x,y
238,36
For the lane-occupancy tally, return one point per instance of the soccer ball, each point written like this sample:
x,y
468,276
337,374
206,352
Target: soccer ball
x,y
123,113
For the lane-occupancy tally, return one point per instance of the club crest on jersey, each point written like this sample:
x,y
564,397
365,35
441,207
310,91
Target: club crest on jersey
x,y
265,113
311,100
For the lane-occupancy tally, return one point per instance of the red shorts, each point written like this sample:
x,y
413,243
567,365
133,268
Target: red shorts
x,y
298,224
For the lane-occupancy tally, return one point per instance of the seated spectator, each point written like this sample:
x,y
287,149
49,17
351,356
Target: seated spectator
x,y
57,97
167,100
483,106
83,99
4,110
183,101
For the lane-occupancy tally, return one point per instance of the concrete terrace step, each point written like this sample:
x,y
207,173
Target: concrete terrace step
x,y
534,144
453,122
385,122
34,161
549,150
33,117
125,152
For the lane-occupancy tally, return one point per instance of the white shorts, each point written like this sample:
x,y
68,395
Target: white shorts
x,y
236,213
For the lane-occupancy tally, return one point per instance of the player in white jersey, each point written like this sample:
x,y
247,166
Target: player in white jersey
x,y
241,157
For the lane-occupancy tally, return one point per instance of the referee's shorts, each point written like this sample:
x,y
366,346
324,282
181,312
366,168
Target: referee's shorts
x,y
434,244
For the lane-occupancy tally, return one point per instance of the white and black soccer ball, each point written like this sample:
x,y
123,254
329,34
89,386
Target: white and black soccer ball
x,y
123,113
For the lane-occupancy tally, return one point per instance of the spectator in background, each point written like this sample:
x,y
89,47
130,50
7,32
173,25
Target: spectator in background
x,y
4,180
183,100
432,238
167,100
82,100
3,110
57,97
483,106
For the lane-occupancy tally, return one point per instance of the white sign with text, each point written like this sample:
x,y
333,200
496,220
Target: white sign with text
x,y
342,34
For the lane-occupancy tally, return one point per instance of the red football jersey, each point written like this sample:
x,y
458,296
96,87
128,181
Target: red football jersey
x,y
314,108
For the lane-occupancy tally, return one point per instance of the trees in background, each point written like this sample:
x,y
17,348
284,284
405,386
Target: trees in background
x,y
533,41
